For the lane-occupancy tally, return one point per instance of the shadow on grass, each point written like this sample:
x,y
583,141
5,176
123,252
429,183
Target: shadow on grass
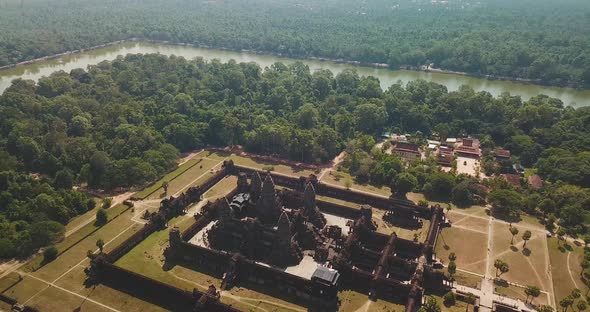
x,y
513,218
501,282
394,299
169,265
445,245
513,248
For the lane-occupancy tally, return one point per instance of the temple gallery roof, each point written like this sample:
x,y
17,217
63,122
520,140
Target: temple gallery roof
x,y
327,275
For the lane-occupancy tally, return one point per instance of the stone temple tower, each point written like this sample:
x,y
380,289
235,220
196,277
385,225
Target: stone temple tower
x,y
310,210
268,207
255,185
281,252
242,183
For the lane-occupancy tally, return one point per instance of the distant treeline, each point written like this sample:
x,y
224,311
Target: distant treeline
x,y
542,40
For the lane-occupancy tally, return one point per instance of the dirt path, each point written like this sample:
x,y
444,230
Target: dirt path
x,y
365,307
524,226
335,162
570,270
189,156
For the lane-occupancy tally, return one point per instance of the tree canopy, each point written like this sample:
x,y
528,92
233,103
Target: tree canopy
x,y
529,39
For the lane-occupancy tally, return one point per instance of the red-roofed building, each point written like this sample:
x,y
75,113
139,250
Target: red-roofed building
x,y
535,181
513,179
501,154
468,147
407,151
445,156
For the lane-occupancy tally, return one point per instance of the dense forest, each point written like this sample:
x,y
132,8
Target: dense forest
x,y
542,40
123,123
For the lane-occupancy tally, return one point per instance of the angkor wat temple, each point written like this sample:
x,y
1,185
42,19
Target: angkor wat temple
x,y
275,235
258,226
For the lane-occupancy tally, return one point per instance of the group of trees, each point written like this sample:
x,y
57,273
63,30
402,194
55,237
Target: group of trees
x,y
33,213
569,301
540,133
532,39
123,123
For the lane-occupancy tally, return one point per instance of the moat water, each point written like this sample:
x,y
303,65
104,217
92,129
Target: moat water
x,y
387,77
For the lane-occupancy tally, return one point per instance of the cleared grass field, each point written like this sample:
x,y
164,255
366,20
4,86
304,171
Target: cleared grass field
x,y
468,279
222,188
74,281
46,301
119,227
516,292
340,178
249,162
8,280
561,260
26,289
197,159
470,248
465,221
182,181
354,301
37,261
338,201
528,265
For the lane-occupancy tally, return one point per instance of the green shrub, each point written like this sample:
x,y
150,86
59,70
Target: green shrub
x,y
449,299
101,217
50,254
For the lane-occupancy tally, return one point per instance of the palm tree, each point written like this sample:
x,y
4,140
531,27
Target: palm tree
x,y
560,233
585,265
581,305
545,308
566,302
533,292
470,300
576,293
513,231
100,244
526,236
430,305
165,187
452,256
501,266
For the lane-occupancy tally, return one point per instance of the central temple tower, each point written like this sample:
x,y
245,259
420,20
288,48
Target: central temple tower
x,y
268,206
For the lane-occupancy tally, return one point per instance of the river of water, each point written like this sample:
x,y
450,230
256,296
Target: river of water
x,y
576,98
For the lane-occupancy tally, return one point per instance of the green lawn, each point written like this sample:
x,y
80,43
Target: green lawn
x,y
352,301
9,280
340,178
339,201
516,292
467,279
24,290
469,247
37,261
78,252
222,188
249,162
169,177
563,282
